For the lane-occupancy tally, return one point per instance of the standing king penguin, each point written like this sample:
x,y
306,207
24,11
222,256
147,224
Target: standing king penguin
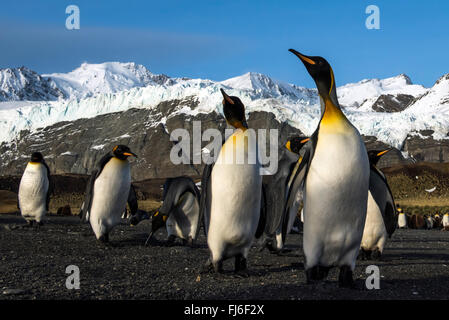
x,y
34,194
282,195
234,194
381,217
336,185
107,192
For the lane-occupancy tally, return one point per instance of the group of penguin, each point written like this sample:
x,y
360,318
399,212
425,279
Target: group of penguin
x,y
348,206
426,221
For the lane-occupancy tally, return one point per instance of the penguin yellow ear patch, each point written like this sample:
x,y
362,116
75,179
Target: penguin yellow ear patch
x,y
115,148
287,145
156,214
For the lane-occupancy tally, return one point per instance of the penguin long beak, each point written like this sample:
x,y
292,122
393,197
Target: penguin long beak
x,y
304,59
130,154
226,97
304,140
383,152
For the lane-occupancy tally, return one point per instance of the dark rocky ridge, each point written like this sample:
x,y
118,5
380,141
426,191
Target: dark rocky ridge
x,y
392,103
75,147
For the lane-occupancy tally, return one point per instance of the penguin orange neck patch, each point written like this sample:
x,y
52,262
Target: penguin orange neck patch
x,y
332,116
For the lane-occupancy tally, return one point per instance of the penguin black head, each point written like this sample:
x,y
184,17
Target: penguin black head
x,y
37,157
122,152
234,111
158,221
321,72
375,155
296,143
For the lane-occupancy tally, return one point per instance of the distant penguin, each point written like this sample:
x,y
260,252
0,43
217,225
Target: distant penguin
x,y
34,193
180,211
107,192
402,218
437,222
381,217
429,221
280,188
445,221
336,184
234,195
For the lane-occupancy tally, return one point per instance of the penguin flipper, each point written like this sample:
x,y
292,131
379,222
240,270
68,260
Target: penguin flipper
x,y
263,214
299,177
50,186
389,214
132,201
88,196
206,197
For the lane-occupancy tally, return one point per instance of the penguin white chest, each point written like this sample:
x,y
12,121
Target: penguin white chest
x,y
236,194
374,233
335,202
402,220
33,190
111,191
446,220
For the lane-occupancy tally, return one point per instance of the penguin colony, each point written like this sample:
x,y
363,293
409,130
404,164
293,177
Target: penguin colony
x,y
345,204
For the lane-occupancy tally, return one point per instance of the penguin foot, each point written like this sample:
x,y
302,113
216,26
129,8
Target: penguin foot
x,y
210,266
170,241
376,254
241,266
188,242
30,223
316,273
207,267
345,279
364,254
104,238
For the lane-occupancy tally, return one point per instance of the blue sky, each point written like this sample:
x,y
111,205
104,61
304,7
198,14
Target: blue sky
x,y
221,39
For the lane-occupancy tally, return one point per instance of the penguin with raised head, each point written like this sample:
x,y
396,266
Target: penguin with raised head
x,y
280,213
107,192
180,211
381,216
233,186
34,190
336,184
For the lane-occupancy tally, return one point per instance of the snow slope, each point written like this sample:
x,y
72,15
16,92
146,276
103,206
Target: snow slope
x,y
24,84
113,86
109,77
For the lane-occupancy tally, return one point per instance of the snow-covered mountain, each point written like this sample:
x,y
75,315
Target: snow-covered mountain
x,y
25,84
95,89
109,77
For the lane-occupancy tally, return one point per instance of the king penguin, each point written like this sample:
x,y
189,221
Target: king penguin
x,y
381,217
107,192
335,186
402,218
180,211
279,189
34,193
233,187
